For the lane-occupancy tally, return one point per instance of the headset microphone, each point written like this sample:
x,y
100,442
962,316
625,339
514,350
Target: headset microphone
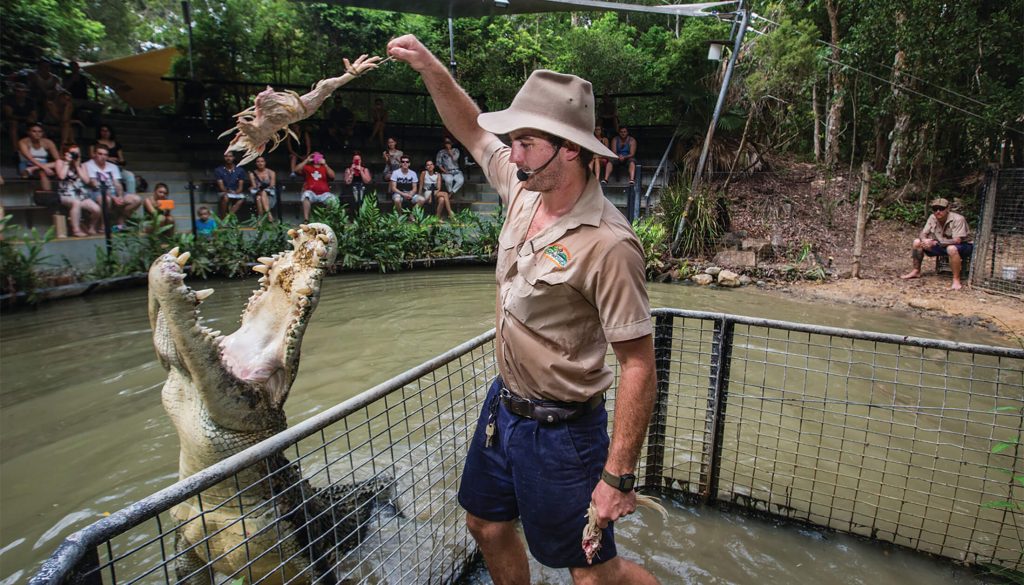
x,y
524,175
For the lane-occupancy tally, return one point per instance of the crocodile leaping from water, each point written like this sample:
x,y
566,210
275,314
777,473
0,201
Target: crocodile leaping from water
x,y
227,393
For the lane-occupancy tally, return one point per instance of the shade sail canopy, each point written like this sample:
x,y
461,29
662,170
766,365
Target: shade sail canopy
x,y
477,8
136,79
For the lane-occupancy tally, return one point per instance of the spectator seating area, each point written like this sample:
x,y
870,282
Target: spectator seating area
x,y
179,151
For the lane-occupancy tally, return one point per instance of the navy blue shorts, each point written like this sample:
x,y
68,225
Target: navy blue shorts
x,y
964,249
542,474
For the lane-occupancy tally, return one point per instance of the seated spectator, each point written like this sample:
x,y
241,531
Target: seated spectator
x,y
37,156
431,185
607,115
316,189
945,234
448,163
230,185
340,125
43,85
160,203
392,158
205,224
105,179
358,176
105,136
403,186
624,147
379,117
19,113
78,85
263,187
74,192
598,162
305,146
60,117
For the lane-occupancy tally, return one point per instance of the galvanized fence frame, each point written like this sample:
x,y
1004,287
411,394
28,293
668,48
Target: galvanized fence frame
x,y
889,437
998,259
911,441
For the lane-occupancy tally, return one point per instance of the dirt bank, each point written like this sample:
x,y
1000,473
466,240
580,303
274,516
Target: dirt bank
x,y
795,207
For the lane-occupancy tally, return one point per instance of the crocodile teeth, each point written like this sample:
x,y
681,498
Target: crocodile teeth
x,y
304,302
304,227
266,260
202,295
262,269
183,259
264,280
323,238
215,333
305,291
292,233
173,252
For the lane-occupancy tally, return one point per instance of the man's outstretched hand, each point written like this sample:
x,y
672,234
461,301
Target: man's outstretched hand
x,y
409,49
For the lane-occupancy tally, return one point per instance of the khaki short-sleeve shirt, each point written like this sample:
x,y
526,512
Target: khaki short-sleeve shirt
x,y
566,293
955,227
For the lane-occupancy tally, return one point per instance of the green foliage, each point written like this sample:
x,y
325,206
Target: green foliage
x,y
20,264
32,28
654,239
702,229
913,213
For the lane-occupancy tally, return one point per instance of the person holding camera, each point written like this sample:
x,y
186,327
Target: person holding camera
x,y
358,176
160,203
264,183
316,188
74,193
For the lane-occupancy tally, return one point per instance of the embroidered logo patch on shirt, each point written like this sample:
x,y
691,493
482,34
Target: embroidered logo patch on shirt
x,y
557,254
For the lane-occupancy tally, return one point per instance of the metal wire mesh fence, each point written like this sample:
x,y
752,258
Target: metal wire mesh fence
x,y
364,492
998,262
909,441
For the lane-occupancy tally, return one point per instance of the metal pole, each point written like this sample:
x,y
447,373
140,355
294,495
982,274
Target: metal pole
x,y
655,469
188,23
451,46
192,206
744,19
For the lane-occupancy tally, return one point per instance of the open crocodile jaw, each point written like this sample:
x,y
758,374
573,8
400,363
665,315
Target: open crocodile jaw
x,y
264,350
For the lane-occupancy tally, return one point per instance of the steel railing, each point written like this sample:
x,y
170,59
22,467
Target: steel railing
x,y
901,439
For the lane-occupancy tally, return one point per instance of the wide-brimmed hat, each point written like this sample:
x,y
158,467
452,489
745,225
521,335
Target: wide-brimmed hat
x,y
556,103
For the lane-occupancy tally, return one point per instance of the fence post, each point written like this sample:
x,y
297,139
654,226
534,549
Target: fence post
x,y
718,391
862,216
655,470
983,241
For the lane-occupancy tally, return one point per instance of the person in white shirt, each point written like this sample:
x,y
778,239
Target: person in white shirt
x,y
404,185
105,179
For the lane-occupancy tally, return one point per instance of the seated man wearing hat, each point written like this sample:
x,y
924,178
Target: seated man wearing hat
x,y
570,276
945,234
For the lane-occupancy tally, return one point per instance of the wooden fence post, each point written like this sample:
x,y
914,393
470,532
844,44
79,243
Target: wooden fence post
x,y
862,216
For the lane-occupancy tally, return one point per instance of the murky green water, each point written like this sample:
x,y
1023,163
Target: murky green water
x,y
82,431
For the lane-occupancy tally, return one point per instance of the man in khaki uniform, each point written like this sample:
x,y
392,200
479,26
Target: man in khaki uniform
x,y
945,234
570,277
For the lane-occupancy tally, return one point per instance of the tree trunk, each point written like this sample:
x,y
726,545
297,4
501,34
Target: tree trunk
x,y
880,145
899,136
816,107
835,111
739,150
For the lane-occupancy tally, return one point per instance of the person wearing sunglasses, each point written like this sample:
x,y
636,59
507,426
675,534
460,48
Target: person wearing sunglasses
x,y
946,233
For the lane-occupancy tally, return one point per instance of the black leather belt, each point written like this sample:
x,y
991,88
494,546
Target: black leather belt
x,y
548,411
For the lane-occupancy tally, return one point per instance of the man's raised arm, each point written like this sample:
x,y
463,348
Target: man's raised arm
x,y
457,110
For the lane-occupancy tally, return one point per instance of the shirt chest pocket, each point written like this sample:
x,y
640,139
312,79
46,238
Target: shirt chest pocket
x,y
541,294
